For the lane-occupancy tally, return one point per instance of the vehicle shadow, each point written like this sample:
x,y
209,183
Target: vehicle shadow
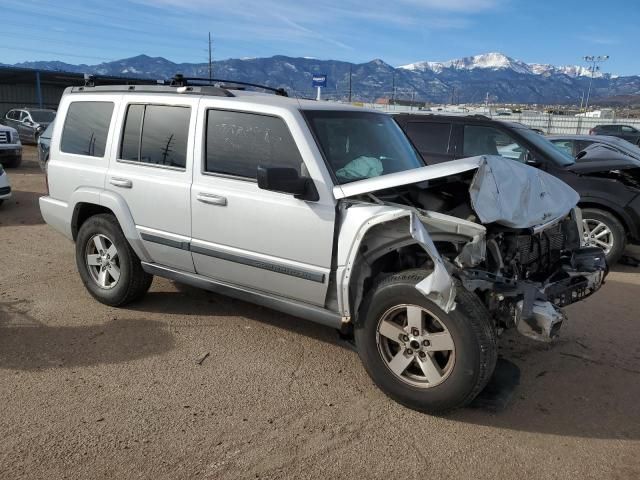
x,y
193,301
573,387
27,344
21,209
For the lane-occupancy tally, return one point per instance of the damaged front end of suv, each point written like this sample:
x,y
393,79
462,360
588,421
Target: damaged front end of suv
x,y
505,232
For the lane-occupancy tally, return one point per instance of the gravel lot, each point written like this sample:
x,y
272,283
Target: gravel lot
x,y
88,391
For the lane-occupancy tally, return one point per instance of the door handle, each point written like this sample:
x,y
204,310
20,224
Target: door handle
x,y
121,182
212,199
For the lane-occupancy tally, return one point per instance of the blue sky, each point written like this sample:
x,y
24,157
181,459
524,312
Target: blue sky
x,y
397,31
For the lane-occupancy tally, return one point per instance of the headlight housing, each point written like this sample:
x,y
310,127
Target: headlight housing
x,y
15,138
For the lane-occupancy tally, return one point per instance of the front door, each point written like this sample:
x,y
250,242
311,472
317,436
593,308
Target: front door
x,y
243,235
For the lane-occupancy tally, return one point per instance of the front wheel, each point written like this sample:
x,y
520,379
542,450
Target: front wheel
x,y
419,355
602,229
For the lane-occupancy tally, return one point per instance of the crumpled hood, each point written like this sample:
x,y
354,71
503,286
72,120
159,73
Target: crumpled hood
x,y
601,158
517,195
502,191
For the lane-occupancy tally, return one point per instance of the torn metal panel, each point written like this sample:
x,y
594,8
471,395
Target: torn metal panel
x,y
542,324
439,283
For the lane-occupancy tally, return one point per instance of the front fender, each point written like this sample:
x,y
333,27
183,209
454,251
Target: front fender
x,y
397,227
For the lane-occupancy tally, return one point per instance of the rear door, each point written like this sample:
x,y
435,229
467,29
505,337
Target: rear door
x,y
432,139
151,170
263,240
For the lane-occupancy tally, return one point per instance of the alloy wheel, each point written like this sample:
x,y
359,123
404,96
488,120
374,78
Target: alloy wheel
x,y
103,261
415,345
597,234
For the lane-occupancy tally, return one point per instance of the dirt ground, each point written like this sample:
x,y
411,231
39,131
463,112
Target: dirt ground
x,y
88,391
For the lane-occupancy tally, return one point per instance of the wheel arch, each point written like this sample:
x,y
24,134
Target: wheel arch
x,y
379,237
89,202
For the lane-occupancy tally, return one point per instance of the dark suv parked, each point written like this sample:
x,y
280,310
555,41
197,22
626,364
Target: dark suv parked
x,y
627,132
609,190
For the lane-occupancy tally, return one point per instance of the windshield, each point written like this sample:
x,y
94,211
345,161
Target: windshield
x,y
559,156
359,145
42,116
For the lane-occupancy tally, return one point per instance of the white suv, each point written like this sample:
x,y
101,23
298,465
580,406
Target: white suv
x,y
323,211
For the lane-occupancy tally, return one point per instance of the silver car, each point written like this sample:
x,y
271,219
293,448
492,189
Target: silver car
x,y
323,211
29,122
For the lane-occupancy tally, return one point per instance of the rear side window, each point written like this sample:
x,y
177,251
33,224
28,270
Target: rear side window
x,y
238,142
430,137
482,140
86,128
156,135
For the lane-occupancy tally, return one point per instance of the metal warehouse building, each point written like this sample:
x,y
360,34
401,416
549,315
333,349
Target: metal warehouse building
x,y
24,87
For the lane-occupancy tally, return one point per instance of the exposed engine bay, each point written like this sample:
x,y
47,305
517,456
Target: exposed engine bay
x,y
523,275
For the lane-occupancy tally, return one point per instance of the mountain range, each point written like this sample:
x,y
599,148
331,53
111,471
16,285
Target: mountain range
x,y
495,76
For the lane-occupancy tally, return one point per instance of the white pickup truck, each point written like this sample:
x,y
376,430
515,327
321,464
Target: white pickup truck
x,y
323,211
10,147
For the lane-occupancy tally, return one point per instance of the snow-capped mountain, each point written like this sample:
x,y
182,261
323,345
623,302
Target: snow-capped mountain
x,y
466,80
499,61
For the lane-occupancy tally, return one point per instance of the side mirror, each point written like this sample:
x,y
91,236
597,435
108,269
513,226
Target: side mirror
x,y
531,160
287,180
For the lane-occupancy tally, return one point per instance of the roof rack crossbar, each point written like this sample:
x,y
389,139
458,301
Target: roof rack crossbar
x,y
182,81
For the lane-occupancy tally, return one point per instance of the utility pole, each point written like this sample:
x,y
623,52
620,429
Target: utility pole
x,y
593,60
393,87
210,66
350,74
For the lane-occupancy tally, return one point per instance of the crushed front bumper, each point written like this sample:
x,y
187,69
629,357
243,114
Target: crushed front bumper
x,y
535,307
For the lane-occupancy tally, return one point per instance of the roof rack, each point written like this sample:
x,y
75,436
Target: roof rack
x,y
160,88
180,80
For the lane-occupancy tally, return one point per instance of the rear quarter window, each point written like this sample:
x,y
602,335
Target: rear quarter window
x,y
86,128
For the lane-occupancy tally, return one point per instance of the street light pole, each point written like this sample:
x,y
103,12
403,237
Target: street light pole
x,y
593,60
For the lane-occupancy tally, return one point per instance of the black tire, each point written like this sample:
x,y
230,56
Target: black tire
x,y
133,282
12,162
1,201
617,230
469,326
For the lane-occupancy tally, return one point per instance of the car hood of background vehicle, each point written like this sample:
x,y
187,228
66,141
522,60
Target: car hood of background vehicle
x,y
502,191
601,158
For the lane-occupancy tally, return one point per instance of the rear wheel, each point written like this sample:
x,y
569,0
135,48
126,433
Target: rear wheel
x,y
604,230
419,355
109,268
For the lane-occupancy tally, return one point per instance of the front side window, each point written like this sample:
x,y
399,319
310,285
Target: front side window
x,y
156,135
238,142
564,145
360,145
86,128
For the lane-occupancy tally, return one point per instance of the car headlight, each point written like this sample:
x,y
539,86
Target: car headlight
x,y
15,138
1,169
